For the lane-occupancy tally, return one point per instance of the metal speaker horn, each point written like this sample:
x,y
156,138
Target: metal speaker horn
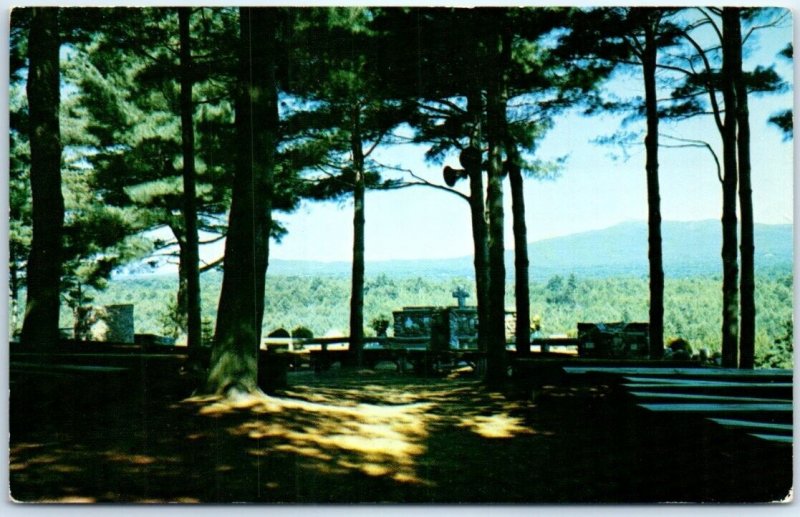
x,y
451,175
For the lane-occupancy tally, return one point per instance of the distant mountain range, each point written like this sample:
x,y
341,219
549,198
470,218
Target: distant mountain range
x,y
690,248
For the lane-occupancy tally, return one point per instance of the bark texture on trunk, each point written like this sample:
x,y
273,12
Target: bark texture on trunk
x,y
192,253
234,358
655,255
514,169
495,110
359,221
730,263
40,325
521,263
747,328
480,238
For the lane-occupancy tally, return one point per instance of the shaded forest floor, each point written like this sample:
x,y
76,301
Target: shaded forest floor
x,y
367,436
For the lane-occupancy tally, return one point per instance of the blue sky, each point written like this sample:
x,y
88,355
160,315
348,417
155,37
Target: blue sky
x,y
593,191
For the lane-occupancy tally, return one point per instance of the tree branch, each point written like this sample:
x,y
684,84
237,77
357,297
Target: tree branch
x,y
441,111
710,21
424,183
212,241
695,143
207,266
773,23
709,87
377,142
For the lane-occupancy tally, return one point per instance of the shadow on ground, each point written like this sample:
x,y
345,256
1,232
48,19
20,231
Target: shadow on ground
x,y
370,437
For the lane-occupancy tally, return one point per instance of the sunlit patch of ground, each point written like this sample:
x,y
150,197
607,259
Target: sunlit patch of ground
x,y
334,427
347,437
496,426
379,429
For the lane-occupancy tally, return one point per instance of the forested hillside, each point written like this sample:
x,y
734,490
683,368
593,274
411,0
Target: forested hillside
x,y
320,303
691,248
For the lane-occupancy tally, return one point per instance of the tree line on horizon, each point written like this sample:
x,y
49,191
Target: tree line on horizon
x,y
206,121
318,306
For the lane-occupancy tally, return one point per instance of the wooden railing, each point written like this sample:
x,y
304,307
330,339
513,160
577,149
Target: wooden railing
x,y
323,343
305,344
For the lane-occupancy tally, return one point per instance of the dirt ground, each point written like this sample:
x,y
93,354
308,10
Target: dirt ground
x,y
369,436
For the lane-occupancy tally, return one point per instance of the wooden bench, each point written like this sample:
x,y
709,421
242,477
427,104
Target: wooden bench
x,y
692,397
16,366
661,382
656,371
755,402
724,388
734,407
752,425
768,431
778,438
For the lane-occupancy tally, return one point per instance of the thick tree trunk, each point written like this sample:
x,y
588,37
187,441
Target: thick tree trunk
x,y
495,109
730,266
479,225
655,254
191,254
747,336
357,278
234,358
521,262
40,326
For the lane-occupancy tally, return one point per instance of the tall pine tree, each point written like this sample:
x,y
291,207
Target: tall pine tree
x,y
719,77
40,327
345,115
191,259
234,358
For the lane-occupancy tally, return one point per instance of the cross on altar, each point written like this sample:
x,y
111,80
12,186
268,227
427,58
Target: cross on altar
x,y
460,294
